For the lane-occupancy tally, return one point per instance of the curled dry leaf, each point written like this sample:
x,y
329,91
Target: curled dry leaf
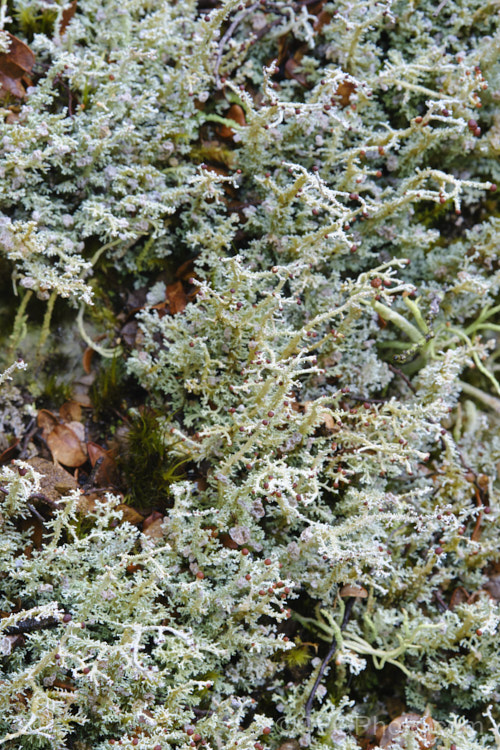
x,y
107,473
397,731
87,360
8,453
79,430
71,411
152,526
351,589
67,15
459,596
176,297
237,115
15,65
65,446
493,587
130,514
47,421
344,92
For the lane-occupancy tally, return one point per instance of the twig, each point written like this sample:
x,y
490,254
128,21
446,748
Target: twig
x,y
440,7
227,36
90,481
30,431
28,626
347,614
406,379
35,512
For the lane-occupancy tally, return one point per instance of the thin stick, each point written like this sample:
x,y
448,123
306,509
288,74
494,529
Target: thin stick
x,y
406,379
28,626
347,614
227,36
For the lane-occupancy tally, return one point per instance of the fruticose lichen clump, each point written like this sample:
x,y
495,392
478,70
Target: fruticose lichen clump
x,y
276,225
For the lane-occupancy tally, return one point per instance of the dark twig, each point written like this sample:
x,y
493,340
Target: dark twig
x,y
30,431
28,626
406,379
34,512
42,498
89,484
347,614
227,36
440,7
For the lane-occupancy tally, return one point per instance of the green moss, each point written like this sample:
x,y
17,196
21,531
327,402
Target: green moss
x,y
146,464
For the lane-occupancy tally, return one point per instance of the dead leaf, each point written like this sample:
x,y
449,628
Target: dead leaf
x,y
493,587
459,596
397,730
15,65
129,332
186,270
351,589
152,526
71,411
227,541
130,514
323,19
37,529
107,473
67,15
79,430
328,420
237,115
176,297
293,70
8,453
65,446
87,359
47,421
344,92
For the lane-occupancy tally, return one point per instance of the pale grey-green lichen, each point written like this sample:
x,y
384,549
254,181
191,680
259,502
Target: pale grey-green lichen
x,y
334,378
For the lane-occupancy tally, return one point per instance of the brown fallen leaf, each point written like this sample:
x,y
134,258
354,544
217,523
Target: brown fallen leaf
x,y
87,360
398,729
67,15
344,92
15,67
459,596
71,411
293,70
351,589
47,421
8,453
107,472
186,270
153,526
176,297
65,446
79,430
130,514
237,115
